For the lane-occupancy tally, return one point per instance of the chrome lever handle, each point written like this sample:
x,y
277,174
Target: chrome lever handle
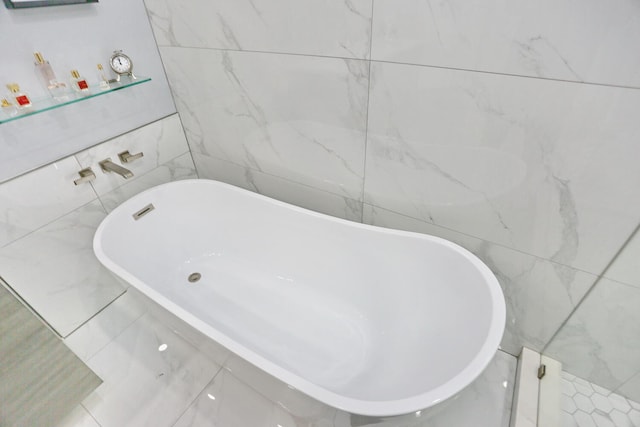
x,y
126,157
86,175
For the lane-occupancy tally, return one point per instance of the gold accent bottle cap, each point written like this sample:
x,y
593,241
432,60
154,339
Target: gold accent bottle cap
x,y
39,57
75,74
5,103
13,87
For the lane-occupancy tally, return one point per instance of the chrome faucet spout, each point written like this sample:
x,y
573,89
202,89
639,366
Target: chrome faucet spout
x,y
108,166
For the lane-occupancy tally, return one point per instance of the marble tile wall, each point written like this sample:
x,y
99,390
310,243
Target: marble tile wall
x,y
506,126
47,223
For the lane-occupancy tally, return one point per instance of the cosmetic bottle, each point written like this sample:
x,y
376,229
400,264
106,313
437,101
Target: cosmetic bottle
x,y
8,109
57,89
21,99
79,83
103,81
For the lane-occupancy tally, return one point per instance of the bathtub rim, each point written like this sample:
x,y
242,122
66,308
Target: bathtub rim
x,y
373,408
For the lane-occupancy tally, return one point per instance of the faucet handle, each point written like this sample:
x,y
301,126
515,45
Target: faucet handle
x,y
126,157
86,175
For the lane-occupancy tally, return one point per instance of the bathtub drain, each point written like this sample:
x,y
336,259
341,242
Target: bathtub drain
x,y
194,277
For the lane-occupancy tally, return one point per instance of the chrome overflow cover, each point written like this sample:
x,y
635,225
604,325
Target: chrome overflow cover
x,y
194,277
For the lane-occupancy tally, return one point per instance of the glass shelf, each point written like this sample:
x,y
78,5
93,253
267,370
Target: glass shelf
x,y
45,104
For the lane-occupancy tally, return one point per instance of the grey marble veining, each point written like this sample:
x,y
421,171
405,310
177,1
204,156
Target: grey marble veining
x,y
530,164
299,118
55,271
39,197
539,294
578,41
341,28
600,340
278,188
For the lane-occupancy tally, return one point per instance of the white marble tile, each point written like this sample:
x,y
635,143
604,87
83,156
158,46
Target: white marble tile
x,y
160,141
181,167
39,197
631,390
297,404
144,386
98,332
205,345
229,402
536,165
299,118
485,403
313,27
278,188
579,41
55,271
600,340
79,417
626,268
539,294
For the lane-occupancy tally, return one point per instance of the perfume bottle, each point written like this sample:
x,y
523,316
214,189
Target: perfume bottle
x,y
57,89
8,109
22,100
79,83
103,81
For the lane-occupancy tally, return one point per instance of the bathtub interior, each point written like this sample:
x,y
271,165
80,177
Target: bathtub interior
x,y
328,300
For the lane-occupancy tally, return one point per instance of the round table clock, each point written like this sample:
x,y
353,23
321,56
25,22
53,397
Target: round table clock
x,y
121,64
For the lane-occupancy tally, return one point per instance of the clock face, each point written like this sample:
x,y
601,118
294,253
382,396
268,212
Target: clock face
x,y
121,64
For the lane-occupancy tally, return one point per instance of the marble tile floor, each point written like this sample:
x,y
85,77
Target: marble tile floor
x,y
588,405
153,377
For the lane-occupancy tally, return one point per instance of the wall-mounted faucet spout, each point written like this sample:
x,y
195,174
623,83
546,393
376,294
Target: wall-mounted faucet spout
x,y
108,166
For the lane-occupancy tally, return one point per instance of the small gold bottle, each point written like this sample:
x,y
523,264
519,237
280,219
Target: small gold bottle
x,y
8,109
22,100
78,83
103,81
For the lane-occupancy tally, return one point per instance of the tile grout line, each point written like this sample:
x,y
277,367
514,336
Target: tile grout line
x,y
486,240
382,61
198,394
366,121
342,196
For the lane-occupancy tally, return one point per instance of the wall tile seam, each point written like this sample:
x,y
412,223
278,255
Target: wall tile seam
x,y
98,197
57,218
122,135
624,383
366,123
342,196
596,276
412,64
139,176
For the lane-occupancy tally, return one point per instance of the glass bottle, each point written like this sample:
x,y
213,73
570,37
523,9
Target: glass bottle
x,y
79,83
57,89
8,109
102,79
22,100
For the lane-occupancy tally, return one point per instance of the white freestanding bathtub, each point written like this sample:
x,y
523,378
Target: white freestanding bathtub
x,y
368,320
